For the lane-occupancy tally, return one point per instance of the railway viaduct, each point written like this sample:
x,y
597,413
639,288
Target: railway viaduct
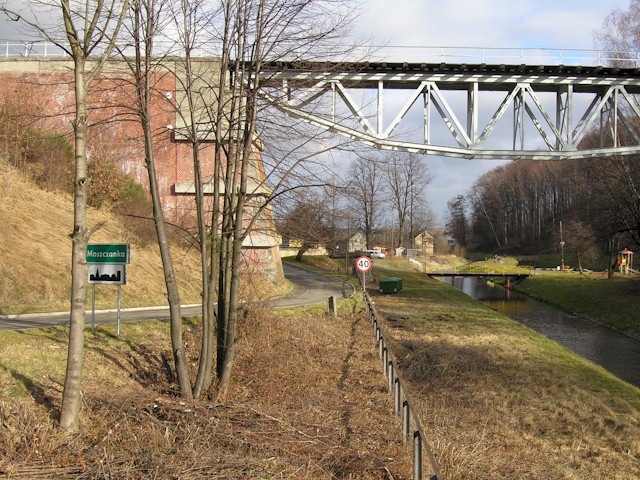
x,y
42,88
544,111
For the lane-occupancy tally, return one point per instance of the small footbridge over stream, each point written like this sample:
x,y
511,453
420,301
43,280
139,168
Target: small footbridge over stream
x,y
516,275
508,276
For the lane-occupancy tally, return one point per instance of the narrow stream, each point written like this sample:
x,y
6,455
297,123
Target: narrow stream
x,y
614,351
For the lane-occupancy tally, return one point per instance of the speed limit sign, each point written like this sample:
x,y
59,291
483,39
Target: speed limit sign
x,y
363,264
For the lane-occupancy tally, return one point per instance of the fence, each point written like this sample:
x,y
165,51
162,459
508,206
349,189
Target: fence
x,y
402,404
381,53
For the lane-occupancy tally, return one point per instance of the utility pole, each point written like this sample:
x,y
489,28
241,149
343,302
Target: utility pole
x,y
561,248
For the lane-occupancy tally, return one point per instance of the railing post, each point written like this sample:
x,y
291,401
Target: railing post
x,y
385,359
331,306
395,386
417,456
406,419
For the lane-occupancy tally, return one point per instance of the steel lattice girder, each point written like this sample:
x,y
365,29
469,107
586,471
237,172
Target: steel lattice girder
x,y
608,96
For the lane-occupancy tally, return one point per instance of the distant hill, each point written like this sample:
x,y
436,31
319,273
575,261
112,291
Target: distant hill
x,y
35,253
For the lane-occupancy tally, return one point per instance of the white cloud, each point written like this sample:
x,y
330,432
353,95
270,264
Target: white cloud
x,y
567,24
488,23
559,24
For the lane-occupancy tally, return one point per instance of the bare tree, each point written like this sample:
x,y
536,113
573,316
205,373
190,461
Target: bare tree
x,y
90,30
308,222
200,115
581,239
620,35
457,219
366,192
222,109
407,178
146,21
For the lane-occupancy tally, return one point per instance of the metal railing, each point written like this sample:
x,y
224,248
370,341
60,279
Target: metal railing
x,y
499,56
385,53
25,49
401,403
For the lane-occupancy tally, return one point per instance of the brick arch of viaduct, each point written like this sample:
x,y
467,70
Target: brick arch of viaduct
x,y
44,87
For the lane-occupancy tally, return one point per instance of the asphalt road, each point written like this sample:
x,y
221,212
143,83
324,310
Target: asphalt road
x,y
309,288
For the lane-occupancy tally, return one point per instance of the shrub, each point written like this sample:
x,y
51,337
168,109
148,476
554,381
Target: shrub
x,y
135,211
48,160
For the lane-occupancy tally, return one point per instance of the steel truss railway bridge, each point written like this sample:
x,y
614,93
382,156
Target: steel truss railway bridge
x,y
473,111
474,103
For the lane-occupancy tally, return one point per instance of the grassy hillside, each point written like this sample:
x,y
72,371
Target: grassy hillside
x,y
308,399
499,400
614,301
35,271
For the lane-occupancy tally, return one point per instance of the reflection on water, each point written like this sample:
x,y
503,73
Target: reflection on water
x,y
616,352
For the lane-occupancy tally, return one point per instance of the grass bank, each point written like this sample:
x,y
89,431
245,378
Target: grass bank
x,y
614,301
35,273
307,401
499,400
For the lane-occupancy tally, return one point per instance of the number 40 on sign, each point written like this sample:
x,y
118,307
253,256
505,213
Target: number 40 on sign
x,y
363,264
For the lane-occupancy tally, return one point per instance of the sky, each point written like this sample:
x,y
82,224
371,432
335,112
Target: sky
x,y
557,24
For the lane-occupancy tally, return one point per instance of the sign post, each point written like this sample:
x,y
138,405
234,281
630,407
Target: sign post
x,y
107,266
363,265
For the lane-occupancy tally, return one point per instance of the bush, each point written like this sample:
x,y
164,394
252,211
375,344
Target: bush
x,y
48,160
136,213
107,183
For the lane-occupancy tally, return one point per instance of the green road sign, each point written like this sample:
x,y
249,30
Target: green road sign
x,y
108,253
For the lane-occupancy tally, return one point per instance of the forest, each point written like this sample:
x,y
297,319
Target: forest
x,y
592,205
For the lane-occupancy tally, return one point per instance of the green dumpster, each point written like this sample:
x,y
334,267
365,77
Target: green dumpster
x,y
391,285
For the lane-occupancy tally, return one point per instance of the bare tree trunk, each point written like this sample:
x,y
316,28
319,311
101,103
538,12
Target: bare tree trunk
x,y
236,257
613,247
579,260
95,32
79,237
205,352
144,27
173,296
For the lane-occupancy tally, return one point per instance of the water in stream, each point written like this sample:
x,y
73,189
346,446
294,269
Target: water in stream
x,y
614,351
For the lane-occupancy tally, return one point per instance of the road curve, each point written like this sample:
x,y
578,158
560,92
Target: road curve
x,y
309,288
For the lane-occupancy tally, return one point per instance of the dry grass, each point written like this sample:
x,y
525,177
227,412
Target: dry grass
x,y
499,401
308,402
36,252
35,272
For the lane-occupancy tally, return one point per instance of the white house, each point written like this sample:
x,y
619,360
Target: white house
x,y
424,243
356,243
